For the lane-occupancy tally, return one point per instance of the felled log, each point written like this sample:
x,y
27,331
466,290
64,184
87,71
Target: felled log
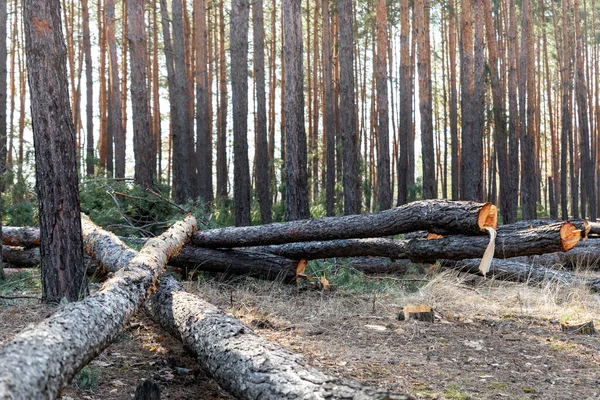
x,y
236,262
582,224
594,228
26,236
40,360
21,257
561,236
520,272
255,368
586,255
437,216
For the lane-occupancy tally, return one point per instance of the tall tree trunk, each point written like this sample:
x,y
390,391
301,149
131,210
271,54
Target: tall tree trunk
x,y
115,117
240,11
347,110
142,140
513,121
500,132
222,111
527,125
405,104
454,143
203,131
296,182
182,168
328,116
3,95
383,151
587,167
156,120
262,146
89,90
422,8
56,164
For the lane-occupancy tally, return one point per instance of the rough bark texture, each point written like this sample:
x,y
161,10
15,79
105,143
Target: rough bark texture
x,y
115,117
240,10
438,216
519,272
405,105
296,176
262,146
329,99
584,256
383,145
19,257
236,262
545,239
422,8
89,89
256,368
347,109
581,224
183,172
54,143
24,237
39,361
104,246
203,122
594,228
142,138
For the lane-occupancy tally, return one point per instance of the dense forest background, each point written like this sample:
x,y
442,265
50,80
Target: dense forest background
x,y
288,109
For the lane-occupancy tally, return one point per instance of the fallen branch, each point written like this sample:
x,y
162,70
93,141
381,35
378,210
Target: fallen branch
x,y
561,236
509,270
255,368
39,361
438,216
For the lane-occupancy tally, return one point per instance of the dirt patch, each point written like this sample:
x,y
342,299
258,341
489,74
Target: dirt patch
x,y
490,340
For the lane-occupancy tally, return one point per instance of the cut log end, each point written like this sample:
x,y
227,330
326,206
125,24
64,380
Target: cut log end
x,y
420,313
488,217
583,328
569,236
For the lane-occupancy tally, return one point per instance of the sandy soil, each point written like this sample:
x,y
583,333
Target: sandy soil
x,y
490,340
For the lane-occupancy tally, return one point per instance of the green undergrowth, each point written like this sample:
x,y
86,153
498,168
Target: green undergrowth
x,y
25,283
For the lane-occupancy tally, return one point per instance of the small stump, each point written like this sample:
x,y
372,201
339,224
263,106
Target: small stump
x,y
420,313
583,328
147,390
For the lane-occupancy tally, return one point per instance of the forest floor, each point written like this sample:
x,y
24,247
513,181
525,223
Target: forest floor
x,y
490,340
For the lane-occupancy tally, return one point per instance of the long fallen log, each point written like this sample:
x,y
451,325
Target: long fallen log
x,y
255,368
438,216
561,236
594,228
21,257
39,361
586,255
520,272
25,236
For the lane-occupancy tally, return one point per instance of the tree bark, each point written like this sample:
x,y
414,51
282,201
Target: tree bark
x,y
383,150
256,367
142,139
222,176
55,155
561,236
519,272
203,123
405,104
296,179
115,118
351,181
26,237
3,96
438,216
240,11
183,170
89,89
328,116
41,360
18,257
262,145
422,8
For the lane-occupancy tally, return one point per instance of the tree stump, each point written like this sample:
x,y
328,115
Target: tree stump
x,y
147,390
420,313
583,328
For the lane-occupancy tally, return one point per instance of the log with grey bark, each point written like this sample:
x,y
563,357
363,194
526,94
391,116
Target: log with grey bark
x,y
560,236
521,272
20,257
42,359
581,224
586,255
594,228
438,216
25,236
242,362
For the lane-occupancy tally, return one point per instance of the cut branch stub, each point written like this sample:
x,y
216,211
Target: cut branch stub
x,y
437,216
